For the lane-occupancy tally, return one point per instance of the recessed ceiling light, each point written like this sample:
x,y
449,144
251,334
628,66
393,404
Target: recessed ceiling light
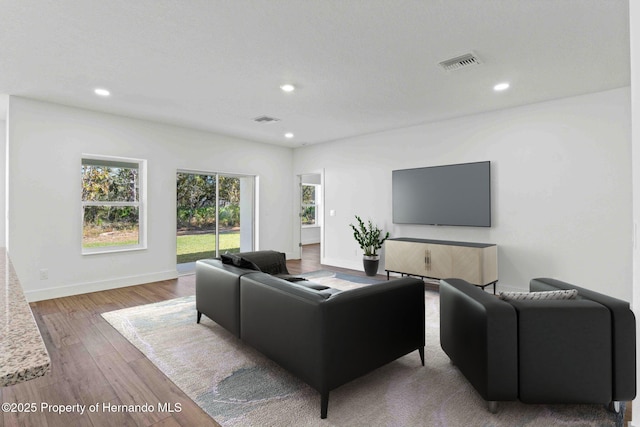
x,y
501,86
288,135
288,87
101,92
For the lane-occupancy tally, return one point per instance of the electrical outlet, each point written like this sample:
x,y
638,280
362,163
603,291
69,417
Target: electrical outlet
x,y
44,274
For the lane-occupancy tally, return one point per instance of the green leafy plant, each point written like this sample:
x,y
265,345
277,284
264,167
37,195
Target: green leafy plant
x,y
368,236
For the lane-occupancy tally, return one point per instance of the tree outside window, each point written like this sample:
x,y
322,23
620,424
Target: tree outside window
x,y
310,204
112,211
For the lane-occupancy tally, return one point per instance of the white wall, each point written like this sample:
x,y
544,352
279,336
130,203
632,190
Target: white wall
x,y
634,14
561,187
46,142
3,181
310,235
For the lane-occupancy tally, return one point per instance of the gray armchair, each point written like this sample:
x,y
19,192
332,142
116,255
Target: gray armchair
x,y
540,351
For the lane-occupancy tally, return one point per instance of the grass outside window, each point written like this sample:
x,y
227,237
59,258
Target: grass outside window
x,y
192,247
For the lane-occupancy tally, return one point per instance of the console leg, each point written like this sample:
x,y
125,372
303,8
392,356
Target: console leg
x,y
324,404
199,316
492,405
421,351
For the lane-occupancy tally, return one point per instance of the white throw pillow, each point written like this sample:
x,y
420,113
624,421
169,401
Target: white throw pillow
x,y
544,295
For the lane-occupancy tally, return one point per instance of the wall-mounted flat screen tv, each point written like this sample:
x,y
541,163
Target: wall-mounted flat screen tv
x,y
443,195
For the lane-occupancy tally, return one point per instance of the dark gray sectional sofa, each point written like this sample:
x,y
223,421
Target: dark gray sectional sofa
x,y
324,336
540,351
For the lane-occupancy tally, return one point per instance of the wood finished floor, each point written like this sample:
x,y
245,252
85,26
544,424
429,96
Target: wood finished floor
x,y
92,363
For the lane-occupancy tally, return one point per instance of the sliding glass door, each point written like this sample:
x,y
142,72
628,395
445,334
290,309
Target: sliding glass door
x,y
215,214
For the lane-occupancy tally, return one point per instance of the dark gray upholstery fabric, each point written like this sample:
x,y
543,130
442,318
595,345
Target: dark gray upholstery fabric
x,y
328,340
479,334
270,262
324,336
624,335
553,351
238,261
218,292
564,352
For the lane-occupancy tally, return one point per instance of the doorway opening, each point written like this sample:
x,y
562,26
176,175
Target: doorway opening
x,y
215,215
311,216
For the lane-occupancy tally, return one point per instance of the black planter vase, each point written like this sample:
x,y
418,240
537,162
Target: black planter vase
x,y
371,264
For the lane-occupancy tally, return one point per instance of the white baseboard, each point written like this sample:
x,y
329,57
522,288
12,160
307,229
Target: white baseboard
x,y
351,265
83,288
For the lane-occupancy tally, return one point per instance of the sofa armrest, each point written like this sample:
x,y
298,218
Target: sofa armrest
x,y
368,327
564,349
479,334
218,293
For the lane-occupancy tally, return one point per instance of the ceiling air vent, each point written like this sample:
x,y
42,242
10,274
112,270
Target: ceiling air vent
x,y
265,119
459,62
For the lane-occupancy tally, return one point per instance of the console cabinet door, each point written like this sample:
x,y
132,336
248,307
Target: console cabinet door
x,y
467,264
420,259
405,257
439,261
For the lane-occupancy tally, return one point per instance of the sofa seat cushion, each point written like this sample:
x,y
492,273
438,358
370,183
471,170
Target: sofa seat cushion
x,y
311,285
290,278
539,296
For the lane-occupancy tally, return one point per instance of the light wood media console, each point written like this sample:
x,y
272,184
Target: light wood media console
x,y
476,263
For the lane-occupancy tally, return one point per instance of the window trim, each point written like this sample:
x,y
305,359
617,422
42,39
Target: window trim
x,y
141,203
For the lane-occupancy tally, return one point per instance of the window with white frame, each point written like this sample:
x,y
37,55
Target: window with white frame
x,y
113,208
310,198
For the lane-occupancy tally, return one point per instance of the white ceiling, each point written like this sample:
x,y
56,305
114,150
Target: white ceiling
x,y
360,66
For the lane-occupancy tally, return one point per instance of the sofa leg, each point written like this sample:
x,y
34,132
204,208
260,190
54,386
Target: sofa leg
x,y
421,351
324,404
492,405
614,407
199,316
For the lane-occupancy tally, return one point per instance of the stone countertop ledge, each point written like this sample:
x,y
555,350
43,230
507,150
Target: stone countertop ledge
x,y
23,355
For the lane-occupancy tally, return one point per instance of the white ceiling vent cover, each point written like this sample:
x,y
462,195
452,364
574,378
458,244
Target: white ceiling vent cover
x,y
459,62
265,119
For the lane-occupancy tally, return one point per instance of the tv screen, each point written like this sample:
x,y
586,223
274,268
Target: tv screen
x,y
443,195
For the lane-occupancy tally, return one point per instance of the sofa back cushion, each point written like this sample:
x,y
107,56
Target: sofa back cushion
x,y
270,262
238,261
